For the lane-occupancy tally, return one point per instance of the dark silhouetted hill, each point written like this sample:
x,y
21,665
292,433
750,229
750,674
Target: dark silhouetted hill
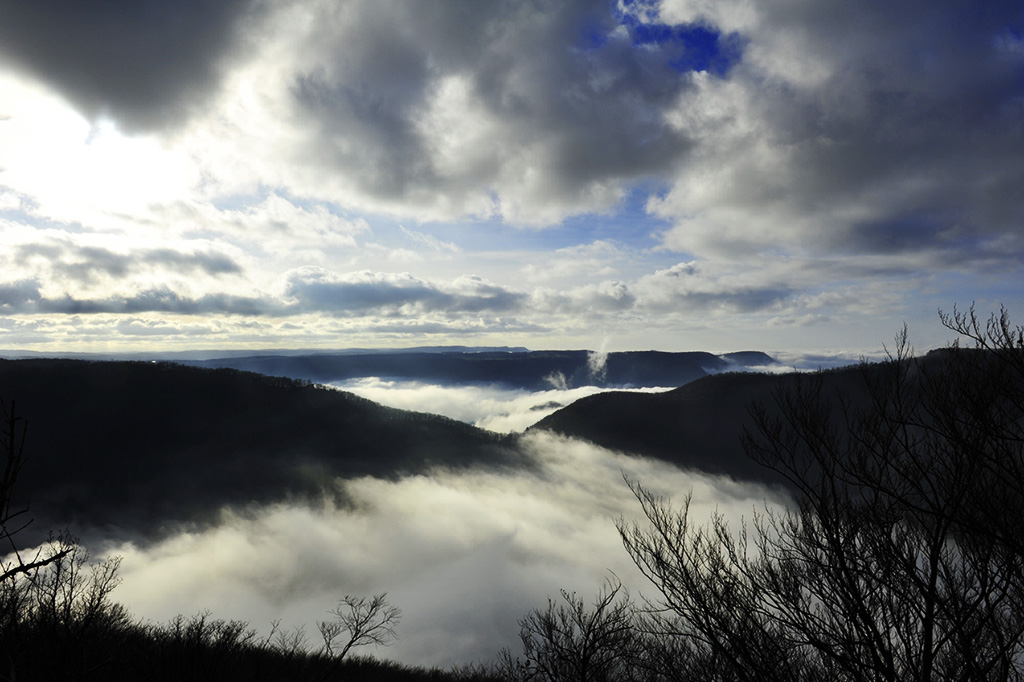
x,y
696,426
140,444
532,370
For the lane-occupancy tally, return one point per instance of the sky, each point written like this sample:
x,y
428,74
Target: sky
x,y
640,174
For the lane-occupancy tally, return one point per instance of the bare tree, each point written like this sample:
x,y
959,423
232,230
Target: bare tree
x,y
52,599
358,621
71,593
571,642
902,559
14,517
61,622
709,600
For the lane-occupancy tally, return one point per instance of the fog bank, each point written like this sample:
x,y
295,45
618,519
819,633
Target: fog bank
x,y
463,553
489,407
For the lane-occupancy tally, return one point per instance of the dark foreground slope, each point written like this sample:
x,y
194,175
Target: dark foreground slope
x,y
140,444
532,370
696,426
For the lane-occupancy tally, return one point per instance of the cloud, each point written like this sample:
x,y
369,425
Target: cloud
x,y
25,296
438,111
430,243
147,65
851,129
608,297
84,264
277,226
566,123
810,362
306,290
464,554
690,287
597,364
600,258
319,289
775,126
14,295
158,300
818,164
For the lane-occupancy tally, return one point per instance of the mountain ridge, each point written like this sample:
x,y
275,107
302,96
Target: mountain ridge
x,y
139,445
530,370
698,425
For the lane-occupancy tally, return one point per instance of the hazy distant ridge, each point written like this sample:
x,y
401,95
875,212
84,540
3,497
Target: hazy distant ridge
x,y
531,370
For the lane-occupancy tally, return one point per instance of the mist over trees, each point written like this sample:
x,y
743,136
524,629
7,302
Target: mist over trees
x,y
59,623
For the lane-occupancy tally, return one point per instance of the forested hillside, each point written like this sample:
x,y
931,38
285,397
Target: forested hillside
x,y
143,445
696,426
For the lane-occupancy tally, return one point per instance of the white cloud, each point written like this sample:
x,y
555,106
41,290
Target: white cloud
x,y
74,171
587,301
276,233
430,243
601,258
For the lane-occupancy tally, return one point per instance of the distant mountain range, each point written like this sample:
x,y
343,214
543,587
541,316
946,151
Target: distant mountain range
x,y
530,370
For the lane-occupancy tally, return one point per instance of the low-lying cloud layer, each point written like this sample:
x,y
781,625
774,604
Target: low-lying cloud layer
x,y
464,554
488,407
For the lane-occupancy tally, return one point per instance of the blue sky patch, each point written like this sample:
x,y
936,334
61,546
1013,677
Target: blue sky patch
x,y
697,47
687,47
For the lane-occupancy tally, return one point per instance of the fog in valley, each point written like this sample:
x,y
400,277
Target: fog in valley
x,y
490,407
463,553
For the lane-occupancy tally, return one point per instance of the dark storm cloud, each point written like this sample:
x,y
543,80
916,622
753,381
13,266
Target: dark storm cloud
x,y
942,240
360,292
599,104
84,264
142,62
